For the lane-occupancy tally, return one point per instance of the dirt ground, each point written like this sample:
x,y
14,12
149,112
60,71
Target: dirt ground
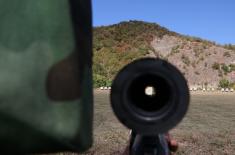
x,y
208,128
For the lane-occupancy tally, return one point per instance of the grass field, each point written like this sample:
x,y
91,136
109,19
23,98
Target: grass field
x,y
208,128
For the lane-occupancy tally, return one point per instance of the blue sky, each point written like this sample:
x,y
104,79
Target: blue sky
x,y
208,19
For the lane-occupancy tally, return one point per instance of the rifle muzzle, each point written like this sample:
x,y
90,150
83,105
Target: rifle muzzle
x,y
150,96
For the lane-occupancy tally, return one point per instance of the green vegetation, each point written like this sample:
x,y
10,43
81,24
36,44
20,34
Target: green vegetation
x,y
198,40
117,45
224,83
100,80
229,47
107,63
223,68
232,85
175,49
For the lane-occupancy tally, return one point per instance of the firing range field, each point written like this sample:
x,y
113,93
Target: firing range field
x,y
208,128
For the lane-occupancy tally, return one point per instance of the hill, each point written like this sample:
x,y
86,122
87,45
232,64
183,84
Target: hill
x,y
204,63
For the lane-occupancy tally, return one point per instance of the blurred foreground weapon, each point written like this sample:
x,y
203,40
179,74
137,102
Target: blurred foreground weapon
x,y
149,96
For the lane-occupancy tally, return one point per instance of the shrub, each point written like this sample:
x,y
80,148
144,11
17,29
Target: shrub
x,y
224,83
232,85
185,60
216,66
232,67
99,80
225,68
175,49
229,47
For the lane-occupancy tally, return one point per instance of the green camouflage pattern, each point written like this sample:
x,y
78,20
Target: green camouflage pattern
x,y
35,35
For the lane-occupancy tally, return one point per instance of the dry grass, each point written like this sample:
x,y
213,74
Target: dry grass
x,y
209,127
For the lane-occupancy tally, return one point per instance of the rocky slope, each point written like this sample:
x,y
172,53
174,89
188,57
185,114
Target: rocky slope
x,y
204,63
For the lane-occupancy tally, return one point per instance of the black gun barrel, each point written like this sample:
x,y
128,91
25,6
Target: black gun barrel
x,y
150,96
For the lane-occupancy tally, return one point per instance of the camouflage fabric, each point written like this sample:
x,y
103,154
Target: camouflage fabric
x,y
45,76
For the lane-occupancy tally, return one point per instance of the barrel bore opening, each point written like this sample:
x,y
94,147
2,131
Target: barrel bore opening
x,y
149,93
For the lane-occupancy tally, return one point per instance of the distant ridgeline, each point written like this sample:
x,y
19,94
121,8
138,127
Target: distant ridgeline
x,y
204,63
